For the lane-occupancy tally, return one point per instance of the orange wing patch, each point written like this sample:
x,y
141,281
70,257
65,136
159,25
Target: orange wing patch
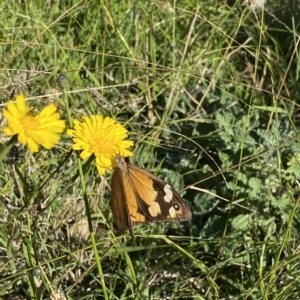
x,y
135,215
145,194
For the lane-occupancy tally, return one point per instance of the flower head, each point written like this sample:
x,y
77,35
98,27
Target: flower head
x,y
102,137
33,130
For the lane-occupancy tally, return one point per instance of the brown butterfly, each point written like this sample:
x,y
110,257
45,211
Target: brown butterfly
x,y
138,196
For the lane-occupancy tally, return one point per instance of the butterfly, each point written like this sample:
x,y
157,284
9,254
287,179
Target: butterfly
x,y
138,196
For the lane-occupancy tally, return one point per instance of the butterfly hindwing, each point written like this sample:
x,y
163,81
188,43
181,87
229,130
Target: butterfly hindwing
x,y
118,204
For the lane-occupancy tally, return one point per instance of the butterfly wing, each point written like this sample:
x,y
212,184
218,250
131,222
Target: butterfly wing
x,y
124,204
156,199
118,203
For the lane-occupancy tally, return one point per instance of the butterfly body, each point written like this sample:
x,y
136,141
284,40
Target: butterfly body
x,y
138,196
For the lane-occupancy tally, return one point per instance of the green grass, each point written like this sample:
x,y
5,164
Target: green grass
x,y
209,93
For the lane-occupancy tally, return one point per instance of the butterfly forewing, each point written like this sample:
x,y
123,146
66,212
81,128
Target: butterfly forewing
x,y
135,214
156,199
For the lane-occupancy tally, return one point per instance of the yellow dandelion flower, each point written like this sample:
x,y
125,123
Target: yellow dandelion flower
x,y
33,130
102,137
